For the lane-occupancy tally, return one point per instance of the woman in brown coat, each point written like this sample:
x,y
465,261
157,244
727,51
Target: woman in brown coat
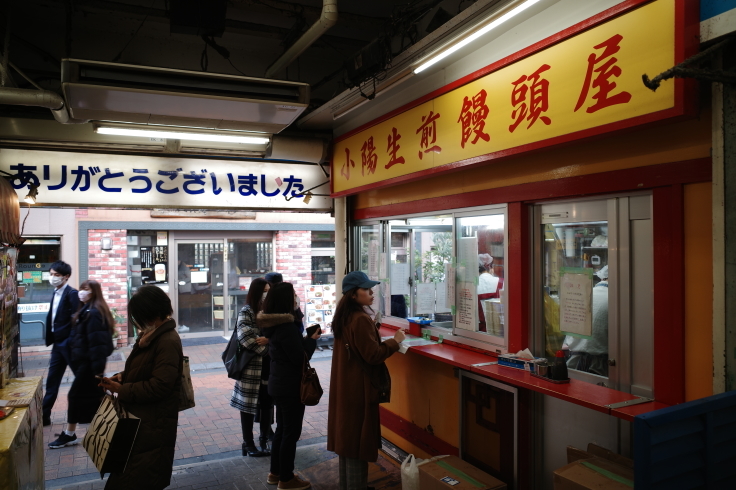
x,y
353,424
149,389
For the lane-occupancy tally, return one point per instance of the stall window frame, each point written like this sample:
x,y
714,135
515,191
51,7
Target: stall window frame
x,y
477,340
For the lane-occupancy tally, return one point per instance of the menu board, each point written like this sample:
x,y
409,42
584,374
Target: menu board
x,y
321,303
466,308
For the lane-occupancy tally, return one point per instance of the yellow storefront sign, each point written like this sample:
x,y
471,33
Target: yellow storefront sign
x,y
590,80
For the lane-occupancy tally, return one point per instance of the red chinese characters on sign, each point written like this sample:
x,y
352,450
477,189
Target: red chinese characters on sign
x,y
473,118
393,148
538,90
368,157
429,134
604,70
345,170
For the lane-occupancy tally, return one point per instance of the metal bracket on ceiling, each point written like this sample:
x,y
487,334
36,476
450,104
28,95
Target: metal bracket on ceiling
x,y
683,71
307,191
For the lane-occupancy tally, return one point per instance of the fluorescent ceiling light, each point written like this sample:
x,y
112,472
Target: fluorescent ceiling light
x,y
464,42
181,135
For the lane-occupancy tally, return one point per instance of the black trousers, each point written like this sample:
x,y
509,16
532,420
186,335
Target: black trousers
x,y
289,418
60,359
265,408
84,396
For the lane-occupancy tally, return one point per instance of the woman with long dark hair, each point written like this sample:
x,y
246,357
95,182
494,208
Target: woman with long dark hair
x,y
353,423
287,349
90,343
250,394
149,389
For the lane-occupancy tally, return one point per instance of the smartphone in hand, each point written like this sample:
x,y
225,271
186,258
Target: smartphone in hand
x,y
312,329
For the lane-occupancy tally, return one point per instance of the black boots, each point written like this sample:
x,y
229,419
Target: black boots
x,y
264,446
250,449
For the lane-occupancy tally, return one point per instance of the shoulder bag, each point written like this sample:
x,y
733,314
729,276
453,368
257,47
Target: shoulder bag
x,y
236,357
311,390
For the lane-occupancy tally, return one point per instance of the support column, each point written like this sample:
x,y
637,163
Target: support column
x,y
729,225
341,240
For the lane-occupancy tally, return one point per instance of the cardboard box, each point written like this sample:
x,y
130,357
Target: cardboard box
x,y
598,468
452,472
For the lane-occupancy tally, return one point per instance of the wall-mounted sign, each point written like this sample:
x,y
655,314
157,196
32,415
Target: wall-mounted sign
x,y
717,18
95,180
582,82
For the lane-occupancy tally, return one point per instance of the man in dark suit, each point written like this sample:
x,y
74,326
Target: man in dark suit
x,y
64,304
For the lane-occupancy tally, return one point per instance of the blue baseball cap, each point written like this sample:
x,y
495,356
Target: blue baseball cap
x,y
357,279
274,278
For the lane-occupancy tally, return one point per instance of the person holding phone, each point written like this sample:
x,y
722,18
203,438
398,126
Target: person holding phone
x,y
287,349
149,389
90,344
353,423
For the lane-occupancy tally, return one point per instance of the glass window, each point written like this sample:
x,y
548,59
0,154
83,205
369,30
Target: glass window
x,y
371,253
575,257
480,275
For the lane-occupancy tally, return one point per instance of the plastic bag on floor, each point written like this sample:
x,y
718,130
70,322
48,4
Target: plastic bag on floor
x,y
410,473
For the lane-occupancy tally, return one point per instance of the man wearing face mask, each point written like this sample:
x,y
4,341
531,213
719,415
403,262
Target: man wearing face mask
x,y
64,303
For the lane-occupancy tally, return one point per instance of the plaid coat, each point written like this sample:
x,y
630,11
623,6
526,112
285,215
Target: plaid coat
x,y
245,392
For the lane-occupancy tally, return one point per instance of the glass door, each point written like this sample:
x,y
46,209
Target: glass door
x,y
200,281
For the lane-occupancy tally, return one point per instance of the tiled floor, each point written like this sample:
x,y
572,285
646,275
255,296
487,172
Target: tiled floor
x,y
208,434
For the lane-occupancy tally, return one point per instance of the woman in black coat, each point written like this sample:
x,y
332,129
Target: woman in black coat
x,y
287,349
90,343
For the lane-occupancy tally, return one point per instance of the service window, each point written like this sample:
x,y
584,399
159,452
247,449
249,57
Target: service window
x,y
480,277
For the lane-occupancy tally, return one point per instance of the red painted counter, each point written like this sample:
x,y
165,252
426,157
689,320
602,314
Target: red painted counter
x,y
581,393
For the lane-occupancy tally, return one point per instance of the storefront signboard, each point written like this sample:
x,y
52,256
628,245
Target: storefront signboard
x,y
87,179
34,307
717,18
579,83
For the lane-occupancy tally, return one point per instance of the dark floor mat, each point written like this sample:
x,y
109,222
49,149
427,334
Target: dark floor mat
x,y
203,341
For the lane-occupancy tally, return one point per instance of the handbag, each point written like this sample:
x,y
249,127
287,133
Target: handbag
x,y
236,357
311,390
378,375
186,393
110,437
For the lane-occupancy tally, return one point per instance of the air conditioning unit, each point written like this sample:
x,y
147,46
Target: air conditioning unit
x,y
100,91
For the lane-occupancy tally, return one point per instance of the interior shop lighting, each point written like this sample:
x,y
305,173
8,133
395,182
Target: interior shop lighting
x,y
472,37
32,194
183,135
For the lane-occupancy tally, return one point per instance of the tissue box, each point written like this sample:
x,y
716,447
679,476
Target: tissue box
x,y
511,360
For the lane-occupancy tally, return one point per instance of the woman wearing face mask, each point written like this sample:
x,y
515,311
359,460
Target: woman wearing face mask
x,y
149,389
353,423
287,348
250,394
90,344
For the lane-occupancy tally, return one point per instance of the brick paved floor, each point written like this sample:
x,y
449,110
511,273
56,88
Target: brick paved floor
x,y
208,433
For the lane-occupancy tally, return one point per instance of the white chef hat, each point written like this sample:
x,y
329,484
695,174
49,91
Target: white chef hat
x,y
603,273
485,260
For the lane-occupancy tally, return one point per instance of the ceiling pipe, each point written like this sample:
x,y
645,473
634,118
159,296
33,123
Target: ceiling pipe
x,y
323,24
39,98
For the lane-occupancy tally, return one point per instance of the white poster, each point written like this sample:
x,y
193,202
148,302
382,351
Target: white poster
x,y
425,298
467,258
442,306
198,277
576,294
400,279
83,179
467,306
373,258
450,289
382,266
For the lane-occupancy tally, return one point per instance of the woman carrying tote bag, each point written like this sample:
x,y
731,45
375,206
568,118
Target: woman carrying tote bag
x,y
250,394
149,388
353,423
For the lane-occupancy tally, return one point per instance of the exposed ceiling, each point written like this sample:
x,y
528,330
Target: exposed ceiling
x,y
253,34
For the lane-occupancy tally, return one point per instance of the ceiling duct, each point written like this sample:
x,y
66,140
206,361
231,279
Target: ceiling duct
x,y
159,96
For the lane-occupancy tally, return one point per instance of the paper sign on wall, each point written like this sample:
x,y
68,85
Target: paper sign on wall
x,y
442,306
425,298
450,282
400,279
576,295
373,258
467,299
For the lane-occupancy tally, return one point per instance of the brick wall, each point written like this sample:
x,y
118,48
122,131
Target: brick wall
x,y
109,268
294,259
